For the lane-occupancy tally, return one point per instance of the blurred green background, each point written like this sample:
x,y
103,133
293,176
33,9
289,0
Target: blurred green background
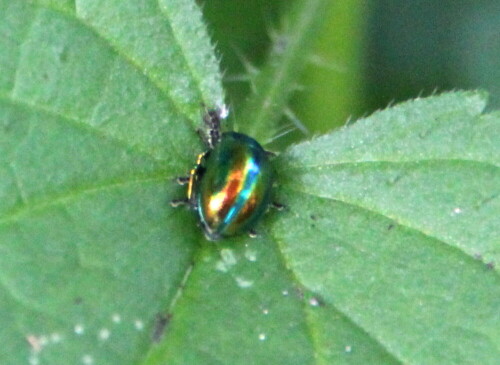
x,y
368,54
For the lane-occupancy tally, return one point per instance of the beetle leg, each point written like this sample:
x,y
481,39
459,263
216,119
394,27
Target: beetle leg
x,y
277,206
178,202
182,180
271,154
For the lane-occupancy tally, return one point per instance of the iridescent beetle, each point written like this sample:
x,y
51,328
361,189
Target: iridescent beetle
x,y
230,184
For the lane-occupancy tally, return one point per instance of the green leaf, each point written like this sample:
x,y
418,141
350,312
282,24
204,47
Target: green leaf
x,y
98,106
384,254
393,223
239,306
368,264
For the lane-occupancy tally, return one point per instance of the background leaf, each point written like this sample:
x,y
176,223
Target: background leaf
x,y
416,48
333,80
273,84
366,56
321,85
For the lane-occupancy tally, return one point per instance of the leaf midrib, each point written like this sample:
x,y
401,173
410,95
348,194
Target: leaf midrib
x,y
310,327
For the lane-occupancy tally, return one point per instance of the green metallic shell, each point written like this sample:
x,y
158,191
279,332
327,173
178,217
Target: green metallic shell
x,y
234,189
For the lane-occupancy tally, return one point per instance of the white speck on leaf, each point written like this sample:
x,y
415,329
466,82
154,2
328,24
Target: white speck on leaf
x,y
34,360
139,325
87,360
314,302
243,283
43,340
221,266
79,330
116,318
228,257
251,255
262,336
55,338
227,260
104,334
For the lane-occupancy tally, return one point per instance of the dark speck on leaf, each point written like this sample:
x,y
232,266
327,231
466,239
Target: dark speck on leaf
x,y
63,55
161,324
393,180
489,265
299,292
424,134
78,300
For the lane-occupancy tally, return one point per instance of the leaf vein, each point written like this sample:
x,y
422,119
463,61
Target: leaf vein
x,y
77,123
389,162
16,214
196,76
393,218
117,51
